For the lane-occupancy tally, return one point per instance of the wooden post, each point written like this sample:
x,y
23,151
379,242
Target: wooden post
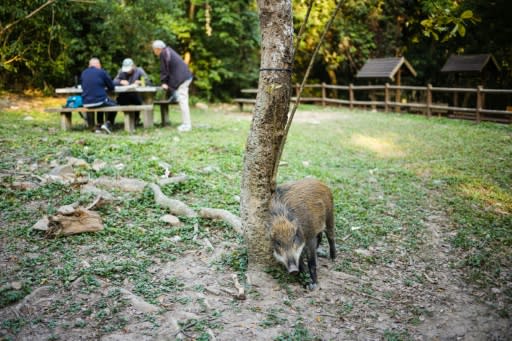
x,y
429,100
164,113
351,96
323,94
129,121
478,102
386,97
397,93
91,122
483,97
65,120
455,102
147,118
297,92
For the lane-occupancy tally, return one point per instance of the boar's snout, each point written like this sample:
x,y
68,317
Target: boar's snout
x,y
292,268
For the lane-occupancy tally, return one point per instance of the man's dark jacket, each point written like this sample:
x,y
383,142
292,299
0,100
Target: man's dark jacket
x,y
173,70
95,83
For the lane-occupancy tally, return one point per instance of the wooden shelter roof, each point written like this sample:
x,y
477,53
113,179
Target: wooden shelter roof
x,y
469,63
384,68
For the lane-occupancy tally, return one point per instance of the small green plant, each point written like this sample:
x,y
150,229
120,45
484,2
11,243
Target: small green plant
x,y
273,318
392,335
10,295
236,260
299,333
14,325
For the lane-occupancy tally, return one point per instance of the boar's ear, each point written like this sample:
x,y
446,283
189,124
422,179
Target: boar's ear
x,y
290,216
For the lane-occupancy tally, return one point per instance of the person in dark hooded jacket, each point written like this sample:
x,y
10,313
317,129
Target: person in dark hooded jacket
x,y
175,77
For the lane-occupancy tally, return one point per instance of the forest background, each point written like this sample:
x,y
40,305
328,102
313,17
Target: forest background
x,y
47,43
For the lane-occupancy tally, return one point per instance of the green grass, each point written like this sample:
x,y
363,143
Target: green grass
x,y
388,172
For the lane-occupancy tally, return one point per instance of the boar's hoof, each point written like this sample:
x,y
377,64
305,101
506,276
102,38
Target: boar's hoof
x,y
321,253
312,286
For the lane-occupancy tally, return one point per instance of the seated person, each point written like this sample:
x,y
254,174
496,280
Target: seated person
x,y
95,82
131,74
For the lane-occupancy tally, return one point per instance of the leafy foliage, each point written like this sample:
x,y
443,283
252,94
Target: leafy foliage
x,y
51,48
220,39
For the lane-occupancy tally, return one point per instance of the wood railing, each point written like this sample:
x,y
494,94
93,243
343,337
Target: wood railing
x,y
427,100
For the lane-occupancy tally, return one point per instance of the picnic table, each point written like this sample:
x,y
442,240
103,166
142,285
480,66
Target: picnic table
x,y
147,93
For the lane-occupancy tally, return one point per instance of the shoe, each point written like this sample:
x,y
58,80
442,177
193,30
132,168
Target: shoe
x,y
107,127
184,127
84,117
97,129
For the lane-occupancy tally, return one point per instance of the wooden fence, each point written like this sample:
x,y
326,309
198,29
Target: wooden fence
x,y
427,100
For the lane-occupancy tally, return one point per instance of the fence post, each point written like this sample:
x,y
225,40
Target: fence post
x,y
386,97
297,90
455,102
429,100
478,102
323,94
351,96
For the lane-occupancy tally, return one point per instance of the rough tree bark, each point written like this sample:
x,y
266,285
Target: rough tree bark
x,y
268,125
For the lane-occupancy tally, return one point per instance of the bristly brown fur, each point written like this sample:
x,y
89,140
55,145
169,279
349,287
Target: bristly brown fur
x,y
300,212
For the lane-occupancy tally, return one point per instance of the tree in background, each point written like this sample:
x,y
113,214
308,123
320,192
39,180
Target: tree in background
x,y
221,39
46,43
50,48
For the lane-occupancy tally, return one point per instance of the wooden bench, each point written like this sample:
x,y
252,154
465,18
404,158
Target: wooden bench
x,y
242,101
128,110
164,109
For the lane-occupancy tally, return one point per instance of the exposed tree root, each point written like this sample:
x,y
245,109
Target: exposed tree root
x,y
228,217
176,207
123,184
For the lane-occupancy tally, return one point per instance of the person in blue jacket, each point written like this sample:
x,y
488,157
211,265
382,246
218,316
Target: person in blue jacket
x,y
95,83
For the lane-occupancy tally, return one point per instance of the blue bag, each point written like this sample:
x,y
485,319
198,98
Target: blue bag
x,y
73,102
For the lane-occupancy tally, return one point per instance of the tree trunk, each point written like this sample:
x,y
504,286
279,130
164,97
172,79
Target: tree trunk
x,y
267,128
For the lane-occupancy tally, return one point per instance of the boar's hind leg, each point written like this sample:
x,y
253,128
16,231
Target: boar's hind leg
x,y
329,232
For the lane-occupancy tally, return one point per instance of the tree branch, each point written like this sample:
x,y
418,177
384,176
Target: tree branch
x,y
31,14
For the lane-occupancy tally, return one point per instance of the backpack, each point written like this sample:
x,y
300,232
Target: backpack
x,y
73,102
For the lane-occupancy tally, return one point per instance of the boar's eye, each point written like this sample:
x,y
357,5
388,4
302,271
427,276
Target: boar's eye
x,y
277,243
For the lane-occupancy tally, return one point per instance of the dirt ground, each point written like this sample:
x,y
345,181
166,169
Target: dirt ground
x,y
375,305
444,307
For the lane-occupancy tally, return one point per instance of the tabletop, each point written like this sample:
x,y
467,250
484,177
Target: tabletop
x,y
119,89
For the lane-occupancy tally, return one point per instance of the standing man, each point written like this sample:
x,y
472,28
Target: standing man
x,y
131,74
95,82
175,76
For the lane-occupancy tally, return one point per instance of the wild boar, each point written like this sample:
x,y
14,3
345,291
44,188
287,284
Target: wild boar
x,y
300,212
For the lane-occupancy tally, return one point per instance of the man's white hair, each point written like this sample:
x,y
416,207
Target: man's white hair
x,y
158,44
94,62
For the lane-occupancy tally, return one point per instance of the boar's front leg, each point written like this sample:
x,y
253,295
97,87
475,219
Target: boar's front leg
x,y
312,261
